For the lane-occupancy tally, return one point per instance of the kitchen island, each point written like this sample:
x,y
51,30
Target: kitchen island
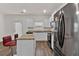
x,y
26,45
40,34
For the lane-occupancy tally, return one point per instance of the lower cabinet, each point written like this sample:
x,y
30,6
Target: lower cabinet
x,y
26,47
39,36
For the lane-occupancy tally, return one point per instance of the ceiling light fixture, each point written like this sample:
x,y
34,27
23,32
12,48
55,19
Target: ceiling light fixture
x,y
44,11
77,12
23,11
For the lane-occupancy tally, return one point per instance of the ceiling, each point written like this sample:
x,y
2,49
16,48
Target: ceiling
x,y
31,8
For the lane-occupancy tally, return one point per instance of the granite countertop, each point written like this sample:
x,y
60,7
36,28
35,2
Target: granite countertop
x,y
42,30
26,37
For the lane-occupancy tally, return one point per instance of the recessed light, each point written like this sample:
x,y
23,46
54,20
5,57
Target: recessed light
x,y
23,11
75,3
77,12
44,11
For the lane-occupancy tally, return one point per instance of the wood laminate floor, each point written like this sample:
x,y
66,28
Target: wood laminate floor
x,y
42,49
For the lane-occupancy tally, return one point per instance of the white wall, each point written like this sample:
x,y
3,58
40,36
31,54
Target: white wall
x,y
7,25
1,27
27,21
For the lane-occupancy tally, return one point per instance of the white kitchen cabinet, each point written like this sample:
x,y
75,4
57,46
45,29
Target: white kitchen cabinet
x,y
52,41
39,36
26,47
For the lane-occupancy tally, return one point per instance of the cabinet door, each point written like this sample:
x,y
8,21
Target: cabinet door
x,y
25,47
19,48
40,36
52,41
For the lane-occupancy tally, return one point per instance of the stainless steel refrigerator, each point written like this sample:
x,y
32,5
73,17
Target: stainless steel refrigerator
x,y
66,39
